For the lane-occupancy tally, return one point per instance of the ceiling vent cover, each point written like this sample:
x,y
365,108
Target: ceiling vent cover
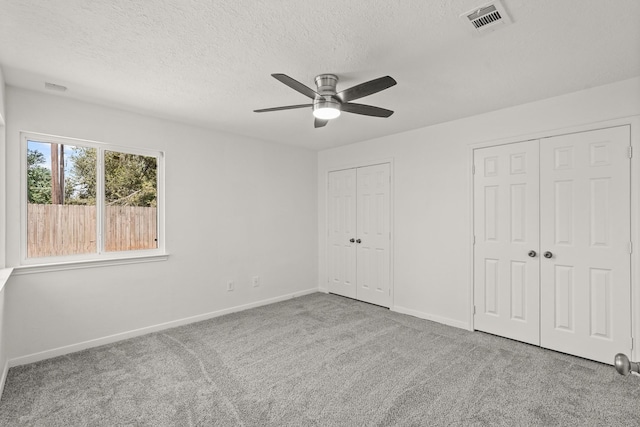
x,y
53,86
486,18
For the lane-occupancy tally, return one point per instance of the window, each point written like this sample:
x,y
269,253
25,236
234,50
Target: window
x,y
88,201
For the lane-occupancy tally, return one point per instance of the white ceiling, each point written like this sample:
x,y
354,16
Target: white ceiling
x,y
208,63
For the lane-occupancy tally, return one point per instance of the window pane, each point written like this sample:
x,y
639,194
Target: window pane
x,y
61,199
131,196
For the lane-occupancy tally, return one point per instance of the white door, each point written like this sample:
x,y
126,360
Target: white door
x,y
585,226
506,272
359,256
373,235
342,233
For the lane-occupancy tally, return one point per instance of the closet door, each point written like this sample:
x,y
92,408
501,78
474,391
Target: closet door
x,y
373,235
585,228
506,252
341,253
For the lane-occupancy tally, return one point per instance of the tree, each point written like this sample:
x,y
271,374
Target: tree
x,y
38,178
80,185
129,179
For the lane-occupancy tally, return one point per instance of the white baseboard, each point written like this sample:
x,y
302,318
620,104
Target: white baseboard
x,y
55,352
3,378
323,290
432,317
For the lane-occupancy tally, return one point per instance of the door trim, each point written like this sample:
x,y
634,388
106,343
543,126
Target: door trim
x,y
323,287
634,123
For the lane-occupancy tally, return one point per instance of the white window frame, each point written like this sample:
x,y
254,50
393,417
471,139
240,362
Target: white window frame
x,y
100,257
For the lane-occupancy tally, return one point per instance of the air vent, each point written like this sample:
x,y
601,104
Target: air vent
x,y
53,86
486,18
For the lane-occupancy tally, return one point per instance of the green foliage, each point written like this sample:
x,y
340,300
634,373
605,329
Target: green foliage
x,y
38,179
81,183
130,180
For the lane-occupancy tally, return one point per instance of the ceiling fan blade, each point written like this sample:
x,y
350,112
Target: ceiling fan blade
x,y
296,85
287,107
367,88
318,123
365,110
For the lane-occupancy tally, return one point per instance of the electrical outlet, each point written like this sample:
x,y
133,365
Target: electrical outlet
x,y
255,281
231,286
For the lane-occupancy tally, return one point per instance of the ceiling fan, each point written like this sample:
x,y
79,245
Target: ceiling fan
x,y
328,103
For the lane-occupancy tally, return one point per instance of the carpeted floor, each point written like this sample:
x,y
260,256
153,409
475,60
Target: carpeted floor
x,y
318,360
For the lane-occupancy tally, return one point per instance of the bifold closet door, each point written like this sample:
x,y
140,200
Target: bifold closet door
x,y
585,231
359,221
506,253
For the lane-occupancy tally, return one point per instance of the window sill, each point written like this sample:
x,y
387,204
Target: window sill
x,y
75,265
4,276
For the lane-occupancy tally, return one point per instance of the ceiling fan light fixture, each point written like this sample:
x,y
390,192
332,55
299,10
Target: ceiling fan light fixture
x,y
326,109
326,113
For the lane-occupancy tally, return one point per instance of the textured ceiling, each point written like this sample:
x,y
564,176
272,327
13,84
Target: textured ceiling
x,y
208,63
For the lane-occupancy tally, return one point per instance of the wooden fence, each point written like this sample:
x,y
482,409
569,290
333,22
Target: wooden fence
x,y
54,230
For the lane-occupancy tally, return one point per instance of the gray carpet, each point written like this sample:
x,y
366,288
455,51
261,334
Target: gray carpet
x,y
318,360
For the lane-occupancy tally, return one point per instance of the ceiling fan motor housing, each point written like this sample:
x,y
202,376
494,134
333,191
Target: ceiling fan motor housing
x,y
326,84
327,102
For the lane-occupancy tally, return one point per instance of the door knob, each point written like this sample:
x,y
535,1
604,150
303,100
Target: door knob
x,y
358,241
532,254
548,254
352,240
624,366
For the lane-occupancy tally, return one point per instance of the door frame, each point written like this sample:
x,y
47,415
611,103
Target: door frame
x,y
352,165
634,124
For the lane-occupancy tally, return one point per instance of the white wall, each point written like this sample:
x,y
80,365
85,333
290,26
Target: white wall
x,y
236,208
3,344
3,170
2,97
263,213
431,191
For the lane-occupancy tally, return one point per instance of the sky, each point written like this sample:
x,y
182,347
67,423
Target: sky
x,y
45,149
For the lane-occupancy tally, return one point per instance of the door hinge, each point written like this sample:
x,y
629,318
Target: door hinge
x,y
631,343
630,247
474,309
630,151
474,239
473,169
